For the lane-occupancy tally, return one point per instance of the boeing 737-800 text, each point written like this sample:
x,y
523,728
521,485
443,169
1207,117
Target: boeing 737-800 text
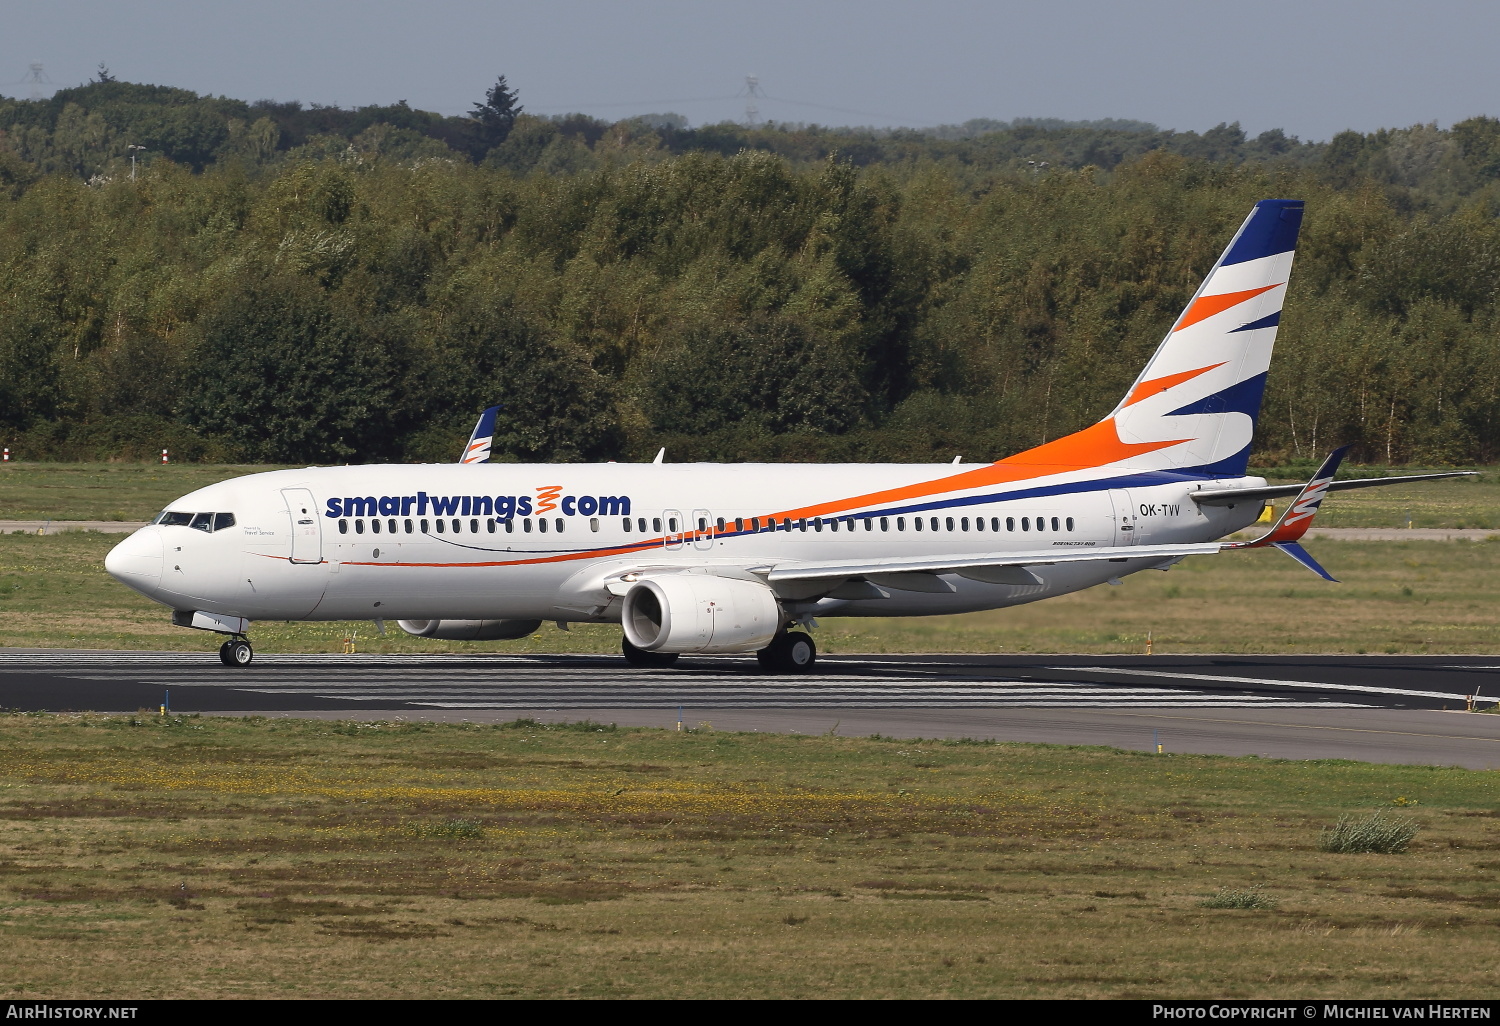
x,y
707,558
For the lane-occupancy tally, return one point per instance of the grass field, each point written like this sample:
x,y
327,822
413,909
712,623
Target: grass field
x,y
103,491
1396,597
136,491
153,856
184,857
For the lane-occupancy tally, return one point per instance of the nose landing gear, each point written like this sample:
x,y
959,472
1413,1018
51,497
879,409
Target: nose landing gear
x,y
236,652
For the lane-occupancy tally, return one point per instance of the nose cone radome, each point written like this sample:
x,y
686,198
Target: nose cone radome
x,y
136,561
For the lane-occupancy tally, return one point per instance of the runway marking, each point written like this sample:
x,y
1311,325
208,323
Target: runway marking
x,y
1263,680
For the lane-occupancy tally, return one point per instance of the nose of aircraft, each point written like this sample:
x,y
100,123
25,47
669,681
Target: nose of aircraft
x,y
136,561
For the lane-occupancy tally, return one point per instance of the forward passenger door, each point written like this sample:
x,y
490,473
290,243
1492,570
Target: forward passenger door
x,y
307,538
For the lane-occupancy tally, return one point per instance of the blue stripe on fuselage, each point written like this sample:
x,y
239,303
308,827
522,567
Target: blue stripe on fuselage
x,y
1139,479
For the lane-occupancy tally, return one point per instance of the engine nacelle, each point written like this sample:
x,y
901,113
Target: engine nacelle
x,y
469,630
700,613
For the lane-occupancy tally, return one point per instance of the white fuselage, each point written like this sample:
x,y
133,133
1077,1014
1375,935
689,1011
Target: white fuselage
x,y
516,541
486,542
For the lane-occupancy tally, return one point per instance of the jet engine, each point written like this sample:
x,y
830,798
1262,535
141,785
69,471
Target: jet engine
x,y
469,630
700,613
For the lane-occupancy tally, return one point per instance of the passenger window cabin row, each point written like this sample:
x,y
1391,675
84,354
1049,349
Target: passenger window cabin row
x,y
458,525
754,524
541,525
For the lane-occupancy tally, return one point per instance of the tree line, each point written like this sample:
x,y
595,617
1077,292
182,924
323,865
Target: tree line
x,y
288,283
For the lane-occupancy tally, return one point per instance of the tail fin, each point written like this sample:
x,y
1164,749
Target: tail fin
x,y
478,449
1197,401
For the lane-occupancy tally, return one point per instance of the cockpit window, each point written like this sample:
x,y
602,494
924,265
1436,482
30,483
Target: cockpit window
x,y
205,522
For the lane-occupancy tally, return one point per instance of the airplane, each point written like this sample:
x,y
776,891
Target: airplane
x,y
732,558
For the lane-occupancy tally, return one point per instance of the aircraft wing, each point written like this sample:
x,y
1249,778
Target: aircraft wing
x,y
920,574
992,568
1231,496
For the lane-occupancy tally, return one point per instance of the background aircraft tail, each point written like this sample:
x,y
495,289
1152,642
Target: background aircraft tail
x,y
1194,407
478,449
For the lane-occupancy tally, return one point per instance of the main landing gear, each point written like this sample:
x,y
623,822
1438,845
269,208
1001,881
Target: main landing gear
x,y
789,652
236,652
646,660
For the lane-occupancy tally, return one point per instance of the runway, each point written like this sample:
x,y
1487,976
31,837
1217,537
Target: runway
x,y
1385,709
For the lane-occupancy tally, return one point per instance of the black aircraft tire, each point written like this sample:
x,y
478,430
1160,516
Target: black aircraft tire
x,y
646,660
237,653
789,652
801,653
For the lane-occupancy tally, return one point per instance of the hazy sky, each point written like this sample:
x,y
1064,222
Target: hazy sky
x,y
1312,67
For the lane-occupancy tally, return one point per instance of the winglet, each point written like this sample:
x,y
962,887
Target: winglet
x,y
478,449
1298,517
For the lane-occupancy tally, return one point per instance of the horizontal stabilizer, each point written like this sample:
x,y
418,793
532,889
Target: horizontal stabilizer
x,y
1234,496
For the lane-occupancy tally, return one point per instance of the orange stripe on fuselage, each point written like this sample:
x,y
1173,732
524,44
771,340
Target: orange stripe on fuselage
x,y
1206,306
1146,389
1096,446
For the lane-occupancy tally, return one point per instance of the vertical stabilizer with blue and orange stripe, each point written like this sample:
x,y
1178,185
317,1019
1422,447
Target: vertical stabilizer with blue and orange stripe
x,y
1197,401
